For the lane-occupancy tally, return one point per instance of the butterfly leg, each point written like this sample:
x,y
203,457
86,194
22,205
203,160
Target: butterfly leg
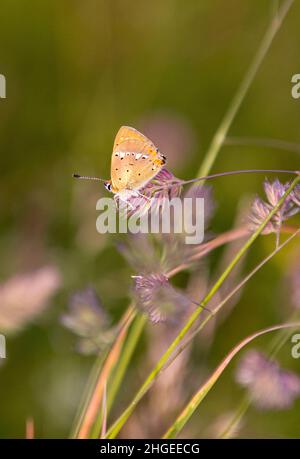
x,y
142,195
119,200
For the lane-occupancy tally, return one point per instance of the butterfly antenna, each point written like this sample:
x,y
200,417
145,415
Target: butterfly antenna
x,y
86,177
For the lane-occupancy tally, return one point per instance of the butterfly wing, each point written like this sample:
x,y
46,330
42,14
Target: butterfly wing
x,y
135,160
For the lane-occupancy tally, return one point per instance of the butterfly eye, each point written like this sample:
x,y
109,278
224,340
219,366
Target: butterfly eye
x,y
107,186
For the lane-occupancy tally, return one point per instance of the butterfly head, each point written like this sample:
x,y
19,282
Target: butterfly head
x,y
108,185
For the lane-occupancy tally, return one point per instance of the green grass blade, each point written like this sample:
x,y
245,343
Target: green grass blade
x,y
193,404
242,90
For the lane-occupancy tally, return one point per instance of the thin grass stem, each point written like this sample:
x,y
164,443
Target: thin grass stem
x,y
194,403
242,90
96,383
276,144
121,367
245,404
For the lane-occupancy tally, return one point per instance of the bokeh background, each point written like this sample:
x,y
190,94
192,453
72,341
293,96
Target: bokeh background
x,y
76,71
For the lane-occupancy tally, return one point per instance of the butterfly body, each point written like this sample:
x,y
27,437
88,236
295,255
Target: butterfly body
x,y
135,161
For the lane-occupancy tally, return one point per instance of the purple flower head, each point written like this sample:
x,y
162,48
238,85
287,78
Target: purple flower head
x,y
274,191
259,212
295,195
141,253
163,186
164,252
158,298
87,319
270,387
261,209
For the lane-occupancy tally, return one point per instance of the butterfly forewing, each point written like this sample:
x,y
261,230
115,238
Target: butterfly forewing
x,y
135,160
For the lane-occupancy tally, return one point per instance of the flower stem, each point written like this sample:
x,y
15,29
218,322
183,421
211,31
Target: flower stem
x,y
238,172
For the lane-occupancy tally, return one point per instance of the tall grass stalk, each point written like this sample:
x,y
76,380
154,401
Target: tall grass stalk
x,y
94,392
116,427
118,374
242,90
244,405
130,344
236,419
263,142
193,404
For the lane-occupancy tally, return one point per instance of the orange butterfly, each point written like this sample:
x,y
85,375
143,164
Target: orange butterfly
x,y
135,161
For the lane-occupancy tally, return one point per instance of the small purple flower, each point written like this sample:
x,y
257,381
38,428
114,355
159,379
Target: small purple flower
x,y
295,195
259,212
158,298
140,253
274,191
163,252
270,387
163,186
87,319
261,209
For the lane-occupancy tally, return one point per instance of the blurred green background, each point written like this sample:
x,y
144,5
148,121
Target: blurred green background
x,y
75,72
